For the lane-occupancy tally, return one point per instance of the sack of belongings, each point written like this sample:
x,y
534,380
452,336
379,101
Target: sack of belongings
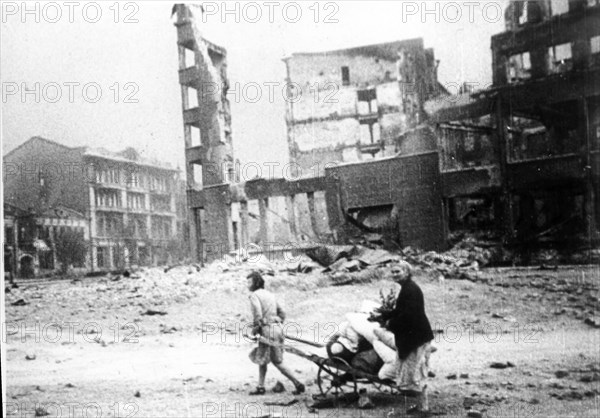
x,y
365,345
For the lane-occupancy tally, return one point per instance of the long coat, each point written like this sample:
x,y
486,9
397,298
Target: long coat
x,y
408,322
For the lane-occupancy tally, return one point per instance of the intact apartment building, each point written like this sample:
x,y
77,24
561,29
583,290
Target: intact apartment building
x,y
129,206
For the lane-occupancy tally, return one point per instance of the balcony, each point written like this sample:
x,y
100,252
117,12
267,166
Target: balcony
x,y
192,117
141,210
105,208
190,77
196,155
107,185
370,148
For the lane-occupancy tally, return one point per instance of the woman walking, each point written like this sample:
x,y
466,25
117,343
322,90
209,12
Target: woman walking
x,y
267,317
413,335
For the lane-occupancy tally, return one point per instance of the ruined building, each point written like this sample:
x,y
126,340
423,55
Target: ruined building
x,y
521,158
343,107
351,104
516,163
207,130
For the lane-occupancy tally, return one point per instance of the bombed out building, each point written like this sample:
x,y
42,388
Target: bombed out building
x,y
353,103
520,160
516,164
368,110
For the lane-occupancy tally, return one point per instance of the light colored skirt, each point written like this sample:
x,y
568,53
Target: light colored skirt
x,y
413,370
265,353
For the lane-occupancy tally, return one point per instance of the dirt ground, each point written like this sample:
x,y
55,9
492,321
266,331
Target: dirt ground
x,y
170,344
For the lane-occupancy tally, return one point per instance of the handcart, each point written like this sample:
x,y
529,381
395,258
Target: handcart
x,y
335,376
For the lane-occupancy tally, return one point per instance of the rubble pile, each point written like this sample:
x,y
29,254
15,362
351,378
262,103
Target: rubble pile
x,y
346,265
460,262
147,293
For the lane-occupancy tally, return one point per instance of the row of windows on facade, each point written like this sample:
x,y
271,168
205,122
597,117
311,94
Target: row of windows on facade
x,y
345,72
47,233
107,257
112,199
559,60
466,148
107,225
132,179
138,255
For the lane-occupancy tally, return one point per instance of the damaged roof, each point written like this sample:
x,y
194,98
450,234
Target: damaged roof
x,y
387,51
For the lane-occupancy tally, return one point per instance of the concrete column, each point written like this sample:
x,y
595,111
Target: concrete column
x,y
94,260
244,223
313,213
263,209
501,150
111,251
93,231
53,245
193,232
149,226
291,215
15,252
590,192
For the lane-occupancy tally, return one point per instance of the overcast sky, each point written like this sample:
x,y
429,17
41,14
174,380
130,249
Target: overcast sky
x,y
108,55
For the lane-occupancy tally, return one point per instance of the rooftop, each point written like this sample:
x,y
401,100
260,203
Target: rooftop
x,y
386,50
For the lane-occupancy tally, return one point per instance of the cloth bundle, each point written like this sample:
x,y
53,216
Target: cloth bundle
x,y
365,345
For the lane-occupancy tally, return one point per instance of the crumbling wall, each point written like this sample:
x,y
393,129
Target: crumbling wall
x,y
347,103
367,67
408,188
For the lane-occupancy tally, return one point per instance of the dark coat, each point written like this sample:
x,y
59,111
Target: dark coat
x,y
408,322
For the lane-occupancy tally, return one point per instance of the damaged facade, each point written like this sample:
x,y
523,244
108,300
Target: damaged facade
x,y
125,208
395,157
351,105
520,160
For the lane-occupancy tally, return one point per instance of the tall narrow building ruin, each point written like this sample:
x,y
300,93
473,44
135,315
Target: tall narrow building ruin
x,y
207,128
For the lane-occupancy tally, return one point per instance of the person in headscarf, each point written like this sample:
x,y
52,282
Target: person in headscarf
x,y
412,332
268,317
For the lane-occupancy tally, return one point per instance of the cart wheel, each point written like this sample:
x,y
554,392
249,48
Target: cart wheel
x,y
333,380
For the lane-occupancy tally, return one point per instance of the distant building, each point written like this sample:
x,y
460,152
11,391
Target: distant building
x,y
353,104
30,239
126,207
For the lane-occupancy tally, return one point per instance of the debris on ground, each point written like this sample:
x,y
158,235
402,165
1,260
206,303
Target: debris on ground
x,y
152,312
282,403
278,387
19,302
501,365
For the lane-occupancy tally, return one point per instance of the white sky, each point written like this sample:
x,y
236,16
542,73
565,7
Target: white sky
x,y
145,53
